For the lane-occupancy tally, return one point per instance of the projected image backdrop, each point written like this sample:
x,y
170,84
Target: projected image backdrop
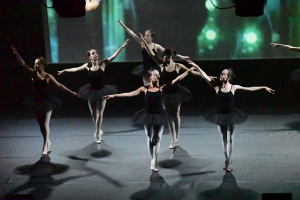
x,y
193,27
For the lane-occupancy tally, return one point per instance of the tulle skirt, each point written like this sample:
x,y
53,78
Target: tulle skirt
x,y
295,75
43,106
235,117
94,95
183,95
144,118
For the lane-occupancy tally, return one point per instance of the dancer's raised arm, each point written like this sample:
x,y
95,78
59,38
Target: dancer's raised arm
x,y
112,57
292,48
130,32
21,61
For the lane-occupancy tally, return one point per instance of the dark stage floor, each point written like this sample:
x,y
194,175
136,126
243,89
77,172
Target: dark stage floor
x,y
266,160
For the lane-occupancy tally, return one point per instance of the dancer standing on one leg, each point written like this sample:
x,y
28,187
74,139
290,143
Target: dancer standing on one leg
x,y
226,116
42,103
154,116
295,75
96,90
148,61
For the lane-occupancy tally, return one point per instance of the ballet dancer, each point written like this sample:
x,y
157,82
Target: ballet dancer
x,y
153,117
173,95
226,116
42,103
148,61
96,90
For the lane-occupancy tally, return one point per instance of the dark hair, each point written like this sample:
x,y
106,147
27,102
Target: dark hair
x,y
88,52
149,73
42,61
151,32
170,52
230,73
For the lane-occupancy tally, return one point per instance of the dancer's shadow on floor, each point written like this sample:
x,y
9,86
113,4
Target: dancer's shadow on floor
x,y
295,125
180,160
92,153
40,181
159,189
189,168
229,190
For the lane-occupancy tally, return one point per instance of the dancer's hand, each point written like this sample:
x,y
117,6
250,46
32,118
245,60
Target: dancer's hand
x,y
60,72
108,97
212,77
274,44
191,69
185,57
13,48
191,62
125,43
270,90
75,94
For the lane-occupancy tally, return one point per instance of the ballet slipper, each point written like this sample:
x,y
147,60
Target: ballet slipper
x,y
153,167
49,146
98,141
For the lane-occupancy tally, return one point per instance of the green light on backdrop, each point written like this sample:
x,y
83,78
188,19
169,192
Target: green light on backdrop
x,y
210,34
250,37
209,5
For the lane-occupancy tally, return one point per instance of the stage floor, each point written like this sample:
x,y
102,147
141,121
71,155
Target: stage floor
x,y
266,159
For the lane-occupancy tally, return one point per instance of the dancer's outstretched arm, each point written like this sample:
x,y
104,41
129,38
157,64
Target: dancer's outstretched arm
x,y
292,48
54,82
254,88
127,94
208,79
74,69
22,62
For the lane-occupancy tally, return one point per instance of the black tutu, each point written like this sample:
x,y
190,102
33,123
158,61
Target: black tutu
x,y
236,117
295,75
43,106
144,118
94,95
183,95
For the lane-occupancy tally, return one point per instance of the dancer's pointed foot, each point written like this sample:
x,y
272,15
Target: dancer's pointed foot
x,y
172,145
228,169
153,167
176,142
49,145
226,166
97,138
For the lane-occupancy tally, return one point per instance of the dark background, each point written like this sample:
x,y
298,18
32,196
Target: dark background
x,y
22,25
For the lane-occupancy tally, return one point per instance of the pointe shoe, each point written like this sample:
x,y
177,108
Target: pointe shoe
x,y
152,167
101,132
224,168
48,146
176,143
172,145
98,141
